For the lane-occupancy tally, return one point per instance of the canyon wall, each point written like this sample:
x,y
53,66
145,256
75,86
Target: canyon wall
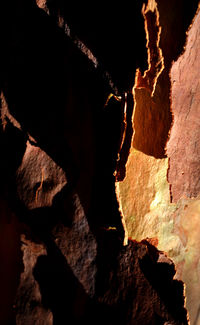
x,y
99,159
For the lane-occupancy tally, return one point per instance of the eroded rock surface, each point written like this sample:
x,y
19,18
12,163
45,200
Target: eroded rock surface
x,y
183,145
160,193
62,142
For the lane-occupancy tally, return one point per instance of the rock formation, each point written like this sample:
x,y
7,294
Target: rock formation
x,y
84,196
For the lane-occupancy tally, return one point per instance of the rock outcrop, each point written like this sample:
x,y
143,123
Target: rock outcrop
x,y
72,115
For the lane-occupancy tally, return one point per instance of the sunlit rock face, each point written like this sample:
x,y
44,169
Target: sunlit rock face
x,y
65,137
160,193
183,147
183,150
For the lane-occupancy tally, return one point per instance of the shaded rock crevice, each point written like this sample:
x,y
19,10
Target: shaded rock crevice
x,y
64,150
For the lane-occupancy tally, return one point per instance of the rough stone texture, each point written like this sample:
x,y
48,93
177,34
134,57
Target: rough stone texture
x,y
133,292
48,294
183,153
39,179
60,150
166,27
172,228
32,310
147,180
153,208
184,143
152,116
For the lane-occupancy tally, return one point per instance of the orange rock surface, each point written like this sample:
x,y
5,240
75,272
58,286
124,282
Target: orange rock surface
x,y
160,193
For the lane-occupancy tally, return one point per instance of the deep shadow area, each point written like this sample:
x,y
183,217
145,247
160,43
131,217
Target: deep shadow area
x,y
61,292
170,291
59,97
108,30
11,264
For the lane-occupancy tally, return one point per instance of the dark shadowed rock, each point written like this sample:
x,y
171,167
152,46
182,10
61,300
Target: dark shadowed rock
x,y
66,110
